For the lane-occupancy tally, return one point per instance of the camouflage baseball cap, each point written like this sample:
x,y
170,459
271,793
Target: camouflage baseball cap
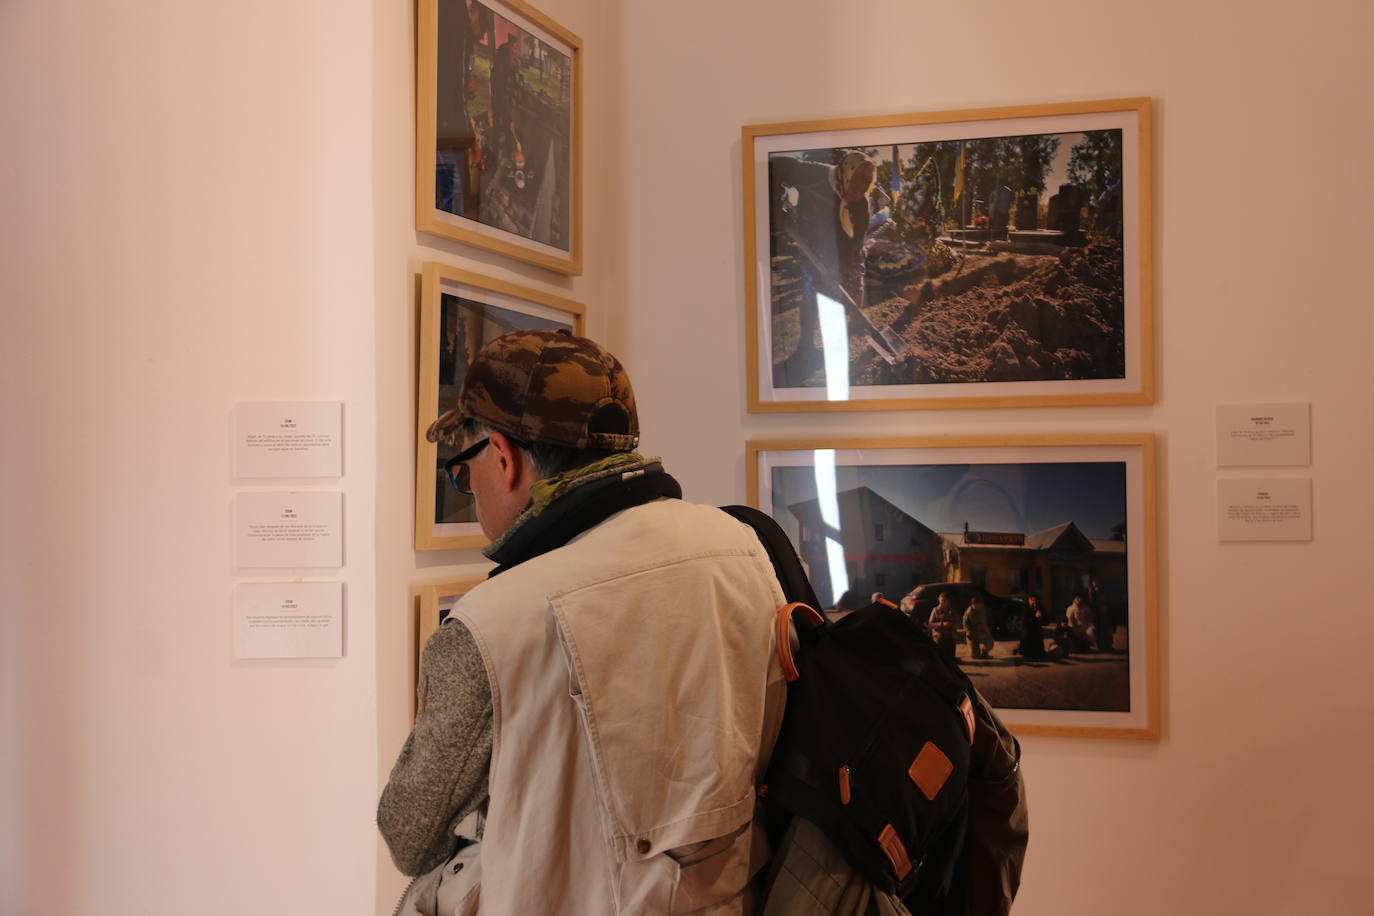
x,y
546,386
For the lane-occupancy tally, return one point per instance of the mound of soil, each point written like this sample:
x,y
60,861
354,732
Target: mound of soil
x,y
1006,318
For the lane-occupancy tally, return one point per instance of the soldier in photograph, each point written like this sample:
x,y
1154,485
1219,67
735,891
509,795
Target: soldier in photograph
x,y
976,629
944,623
1078,617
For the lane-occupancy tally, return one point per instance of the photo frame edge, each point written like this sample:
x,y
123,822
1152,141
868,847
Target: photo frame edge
x,y
952,440
951,116
970,402
426,404
1145,127
426,100
751,292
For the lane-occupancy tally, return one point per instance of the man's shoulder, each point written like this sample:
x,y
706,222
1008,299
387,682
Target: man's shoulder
x,y
665,528
639,538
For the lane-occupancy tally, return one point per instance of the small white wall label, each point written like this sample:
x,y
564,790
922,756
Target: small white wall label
x,y
288,529
1264,509
287,439
288,620
1254,435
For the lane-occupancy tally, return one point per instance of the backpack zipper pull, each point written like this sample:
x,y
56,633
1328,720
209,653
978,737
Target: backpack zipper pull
x,y
844,785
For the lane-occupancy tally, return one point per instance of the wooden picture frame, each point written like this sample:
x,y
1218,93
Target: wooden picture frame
x,y
437,599
498,130
460,311
955,279
1054,518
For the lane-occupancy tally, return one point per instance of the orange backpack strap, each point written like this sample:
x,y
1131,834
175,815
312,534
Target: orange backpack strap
x,y
784,618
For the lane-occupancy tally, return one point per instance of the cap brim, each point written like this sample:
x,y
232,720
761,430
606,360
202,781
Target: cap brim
x,y
444,431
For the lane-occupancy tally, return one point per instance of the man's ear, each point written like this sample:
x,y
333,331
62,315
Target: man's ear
x,y
510,461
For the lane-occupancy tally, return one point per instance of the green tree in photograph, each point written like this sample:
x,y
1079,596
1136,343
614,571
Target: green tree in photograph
x,y
1095,161
1036,153
987,164
927,190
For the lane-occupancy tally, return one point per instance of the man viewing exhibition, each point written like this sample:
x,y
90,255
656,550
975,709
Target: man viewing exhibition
x,y
594,717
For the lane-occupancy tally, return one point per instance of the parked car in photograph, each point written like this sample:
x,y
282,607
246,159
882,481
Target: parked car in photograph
x,y
1004,614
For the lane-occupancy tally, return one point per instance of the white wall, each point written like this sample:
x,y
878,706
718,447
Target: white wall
x,y
1254,801
208,203
188,223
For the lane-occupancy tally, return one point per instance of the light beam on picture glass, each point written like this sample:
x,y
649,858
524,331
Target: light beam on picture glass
x,y
827,494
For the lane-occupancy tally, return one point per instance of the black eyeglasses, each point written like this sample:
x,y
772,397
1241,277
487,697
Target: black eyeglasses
x,y
457,469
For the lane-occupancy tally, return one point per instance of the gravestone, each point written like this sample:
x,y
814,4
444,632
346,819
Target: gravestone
x,y
999,211
1066,209
1028,212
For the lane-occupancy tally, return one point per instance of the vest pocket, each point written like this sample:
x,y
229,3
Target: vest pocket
x,y
711,873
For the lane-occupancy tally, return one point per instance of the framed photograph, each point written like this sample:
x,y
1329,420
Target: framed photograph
x,y
985,258
498,130
459,313
1031,559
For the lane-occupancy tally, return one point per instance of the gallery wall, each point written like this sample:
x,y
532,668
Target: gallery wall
x,y
1262,225
188,223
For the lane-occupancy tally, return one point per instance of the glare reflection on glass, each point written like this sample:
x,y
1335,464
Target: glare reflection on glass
x,y
827,494
835,346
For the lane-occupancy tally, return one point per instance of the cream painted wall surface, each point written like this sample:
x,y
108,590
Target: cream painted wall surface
x,y
1254,800
188,223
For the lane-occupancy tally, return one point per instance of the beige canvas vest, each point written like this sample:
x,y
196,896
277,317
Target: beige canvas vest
x,y
635,696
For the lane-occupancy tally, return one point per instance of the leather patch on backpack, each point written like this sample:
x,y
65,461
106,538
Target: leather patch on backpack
x,y
930,770
970,723
895,850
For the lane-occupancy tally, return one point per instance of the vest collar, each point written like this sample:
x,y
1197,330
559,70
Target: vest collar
x,y
564,506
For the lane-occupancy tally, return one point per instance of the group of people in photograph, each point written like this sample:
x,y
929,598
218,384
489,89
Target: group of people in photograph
x,y
1088,626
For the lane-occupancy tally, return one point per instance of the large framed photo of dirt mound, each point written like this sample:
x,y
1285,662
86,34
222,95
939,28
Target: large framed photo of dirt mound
x,y
498,135
985,258
460,312
1029,559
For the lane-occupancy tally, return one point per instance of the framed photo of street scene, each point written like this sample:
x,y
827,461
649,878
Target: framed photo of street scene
x,y
437,600
1030,559
993,257
498,130
460,312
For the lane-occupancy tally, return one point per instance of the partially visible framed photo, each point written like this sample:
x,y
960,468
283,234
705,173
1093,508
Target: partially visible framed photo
x,y
984,258
437,600
498,130
460,312
1030,558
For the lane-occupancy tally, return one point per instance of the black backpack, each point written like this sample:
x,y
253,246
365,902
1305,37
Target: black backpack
x,y
887,748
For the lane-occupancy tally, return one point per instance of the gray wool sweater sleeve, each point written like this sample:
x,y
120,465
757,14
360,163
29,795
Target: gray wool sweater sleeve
x,y
441,774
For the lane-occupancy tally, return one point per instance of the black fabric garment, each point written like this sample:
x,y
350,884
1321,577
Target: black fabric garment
x,y
582,508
